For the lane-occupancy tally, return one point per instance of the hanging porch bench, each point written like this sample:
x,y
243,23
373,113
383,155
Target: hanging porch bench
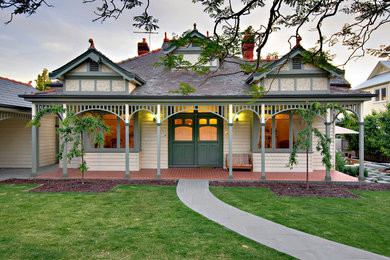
x,y
242,161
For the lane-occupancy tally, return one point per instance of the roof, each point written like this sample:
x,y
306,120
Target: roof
x,y
160,82
10,91
334,93
376,80
340,82
96,56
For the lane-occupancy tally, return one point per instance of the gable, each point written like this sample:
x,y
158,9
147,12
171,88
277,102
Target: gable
x,y
290,75
92,72
381,67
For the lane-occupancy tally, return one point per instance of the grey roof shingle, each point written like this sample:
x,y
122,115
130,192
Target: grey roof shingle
x,y
161,82
9,91
376,80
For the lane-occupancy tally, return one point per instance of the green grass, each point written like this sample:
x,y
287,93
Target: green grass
x,y
362,223
137,222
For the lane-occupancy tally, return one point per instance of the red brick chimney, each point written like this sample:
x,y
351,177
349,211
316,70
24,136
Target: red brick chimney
x,y
143,47
248,45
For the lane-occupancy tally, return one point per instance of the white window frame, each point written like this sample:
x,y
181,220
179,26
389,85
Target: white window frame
x,y
380,95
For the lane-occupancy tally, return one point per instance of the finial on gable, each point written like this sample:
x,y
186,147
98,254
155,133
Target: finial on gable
x,y
299,39
92,44
195,27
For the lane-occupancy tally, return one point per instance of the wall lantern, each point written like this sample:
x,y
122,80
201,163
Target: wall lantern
x,y
237,117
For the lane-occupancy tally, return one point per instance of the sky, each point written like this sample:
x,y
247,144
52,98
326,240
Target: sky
x,y
55,35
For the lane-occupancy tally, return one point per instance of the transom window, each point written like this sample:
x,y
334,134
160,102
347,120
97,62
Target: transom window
x,y
280,132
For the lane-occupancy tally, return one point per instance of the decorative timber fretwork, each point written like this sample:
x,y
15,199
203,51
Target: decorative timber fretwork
x,y
166,111
116,109
352,107
170,110
7,115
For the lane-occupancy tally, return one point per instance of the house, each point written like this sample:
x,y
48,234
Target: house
x,y
378,83
15,137
155,127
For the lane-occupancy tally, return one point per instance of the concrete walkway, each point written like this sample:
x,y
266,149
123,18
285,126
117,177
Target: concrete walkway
x,y
8,173
196,195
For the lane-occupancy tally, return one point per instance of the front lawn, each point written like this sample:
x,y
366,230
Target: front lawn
x,y
130,222
362,223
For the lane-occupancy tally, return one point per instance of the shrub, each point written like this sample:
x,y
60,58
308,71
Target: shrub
x,y
354,171
340,161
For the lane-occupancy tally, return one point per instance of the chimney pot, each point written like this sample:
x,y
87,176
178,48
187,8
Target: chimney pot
x,y
299,39
248,46
143,47
166,38
208,36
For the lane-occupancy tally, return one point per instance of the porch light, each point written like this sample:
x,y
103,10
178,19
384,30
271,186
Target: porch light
x,y
153,117
237,117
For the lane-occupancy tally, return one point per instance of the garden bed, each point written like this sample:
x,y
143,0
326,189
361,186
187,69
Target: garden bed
x,y
315,190
280,189
76,185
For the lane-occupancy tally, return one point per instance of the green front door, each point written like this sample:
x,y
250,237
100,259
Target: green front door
x,y
195,140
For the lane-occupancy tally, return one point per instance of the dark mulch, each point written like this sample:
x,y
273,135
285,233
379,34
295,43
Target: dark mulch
x,y
280,189
315,190
76,185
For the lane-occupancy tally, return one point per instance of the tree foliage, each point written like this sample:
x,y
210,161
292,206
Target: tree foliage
x,y
364,18
42,80
376,133
72,130
304,137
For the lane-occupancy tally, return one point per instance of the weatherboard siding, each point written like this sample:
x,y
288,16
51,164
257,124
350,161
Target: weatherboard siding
x,y
276,162
372,105
149,142
241,135
47,141
15,143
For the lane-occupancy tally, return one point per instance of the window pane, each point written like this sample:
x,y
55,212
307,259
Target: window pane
x,y
123,133
188,122
383,94
178,121
183,133
282,131
268,134
213,121
297,125
377,95
208,133
203,121
110,140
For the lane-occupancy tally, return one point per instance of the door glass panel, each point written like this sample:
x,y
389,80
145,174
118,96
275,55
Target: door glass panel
x,y
208,133
203,121
188,121
178,121
183,133
213,121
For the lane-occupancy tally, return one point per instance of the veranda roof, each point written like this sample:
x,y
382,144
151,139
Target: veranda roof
x,y
342,130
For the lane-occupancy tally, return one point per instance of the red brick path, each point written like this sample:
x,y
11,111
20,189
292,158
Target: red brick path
x,y
203,173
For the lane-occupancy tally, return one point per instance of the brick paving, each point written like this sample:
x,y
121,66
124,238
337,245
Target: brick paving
x,y
203,173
